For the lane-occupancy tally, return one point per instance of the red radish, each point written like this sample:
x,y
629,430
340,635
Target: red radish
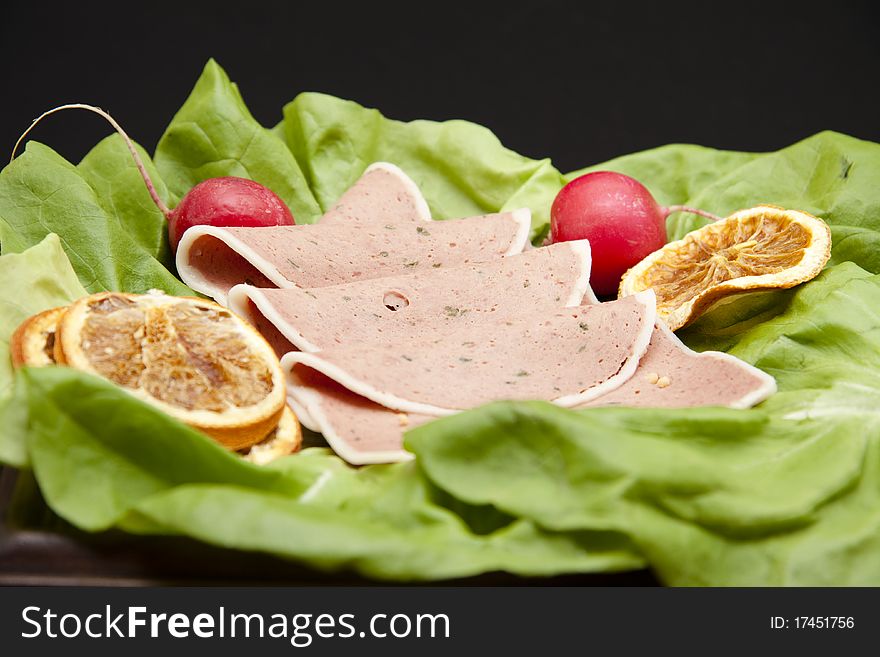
x,y
620,218
225,201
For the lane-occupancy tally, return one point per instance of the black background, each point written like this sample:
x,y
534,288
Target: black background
x,y
579,82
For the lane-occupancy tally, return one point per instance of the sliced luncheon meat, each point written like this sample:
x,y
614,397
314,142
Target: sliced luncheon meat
x,y
358,430
380,226
383,194
567,355
436,301
387,319
669,375
672,376
212,260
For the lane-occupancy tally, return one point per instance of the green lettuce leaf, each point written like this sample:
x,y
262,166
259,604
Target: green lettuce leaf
x,y
50,282
42,193
214,134
147,472
824,350
112,173
675,172
461,167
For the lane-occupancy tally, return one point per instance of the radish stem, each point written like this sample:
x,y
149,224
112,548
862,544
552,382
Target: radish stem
x,y
684,208
151,188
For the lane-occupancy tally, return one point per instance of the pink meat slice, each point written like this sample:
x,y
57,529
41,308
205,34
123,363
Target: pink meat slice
x,y
383,194
359,430
380,226
670,375
212,260
438,301
567,356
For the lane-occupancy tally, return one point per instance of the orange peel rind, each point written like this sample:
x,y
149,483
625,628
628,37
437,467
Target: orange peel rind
x,y
285,439
33,342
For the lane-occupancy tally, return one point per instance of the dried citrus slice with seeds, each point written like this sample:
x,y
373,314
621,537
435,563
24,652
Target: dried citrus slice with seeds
x,y
761,248
191,358
33,342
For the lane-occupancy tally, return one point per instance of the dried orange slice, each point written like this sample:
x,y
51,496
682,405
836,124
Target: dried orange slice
x,y
284,439
33,342
191,358
761,248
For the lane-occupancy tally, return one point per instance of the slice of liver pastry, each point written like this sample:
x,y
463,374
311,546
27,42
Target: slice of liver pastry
x,y
384,193
435,301
212,260
567,356
359,430
357,238
670,375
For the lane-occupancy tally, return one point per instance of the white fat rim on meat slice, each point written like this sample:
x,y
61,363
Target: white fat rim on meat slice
x,y
239,295
238,303
523,217
311,401
627,369
424,212
197,281
301,411
756,396
582,290
648,300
